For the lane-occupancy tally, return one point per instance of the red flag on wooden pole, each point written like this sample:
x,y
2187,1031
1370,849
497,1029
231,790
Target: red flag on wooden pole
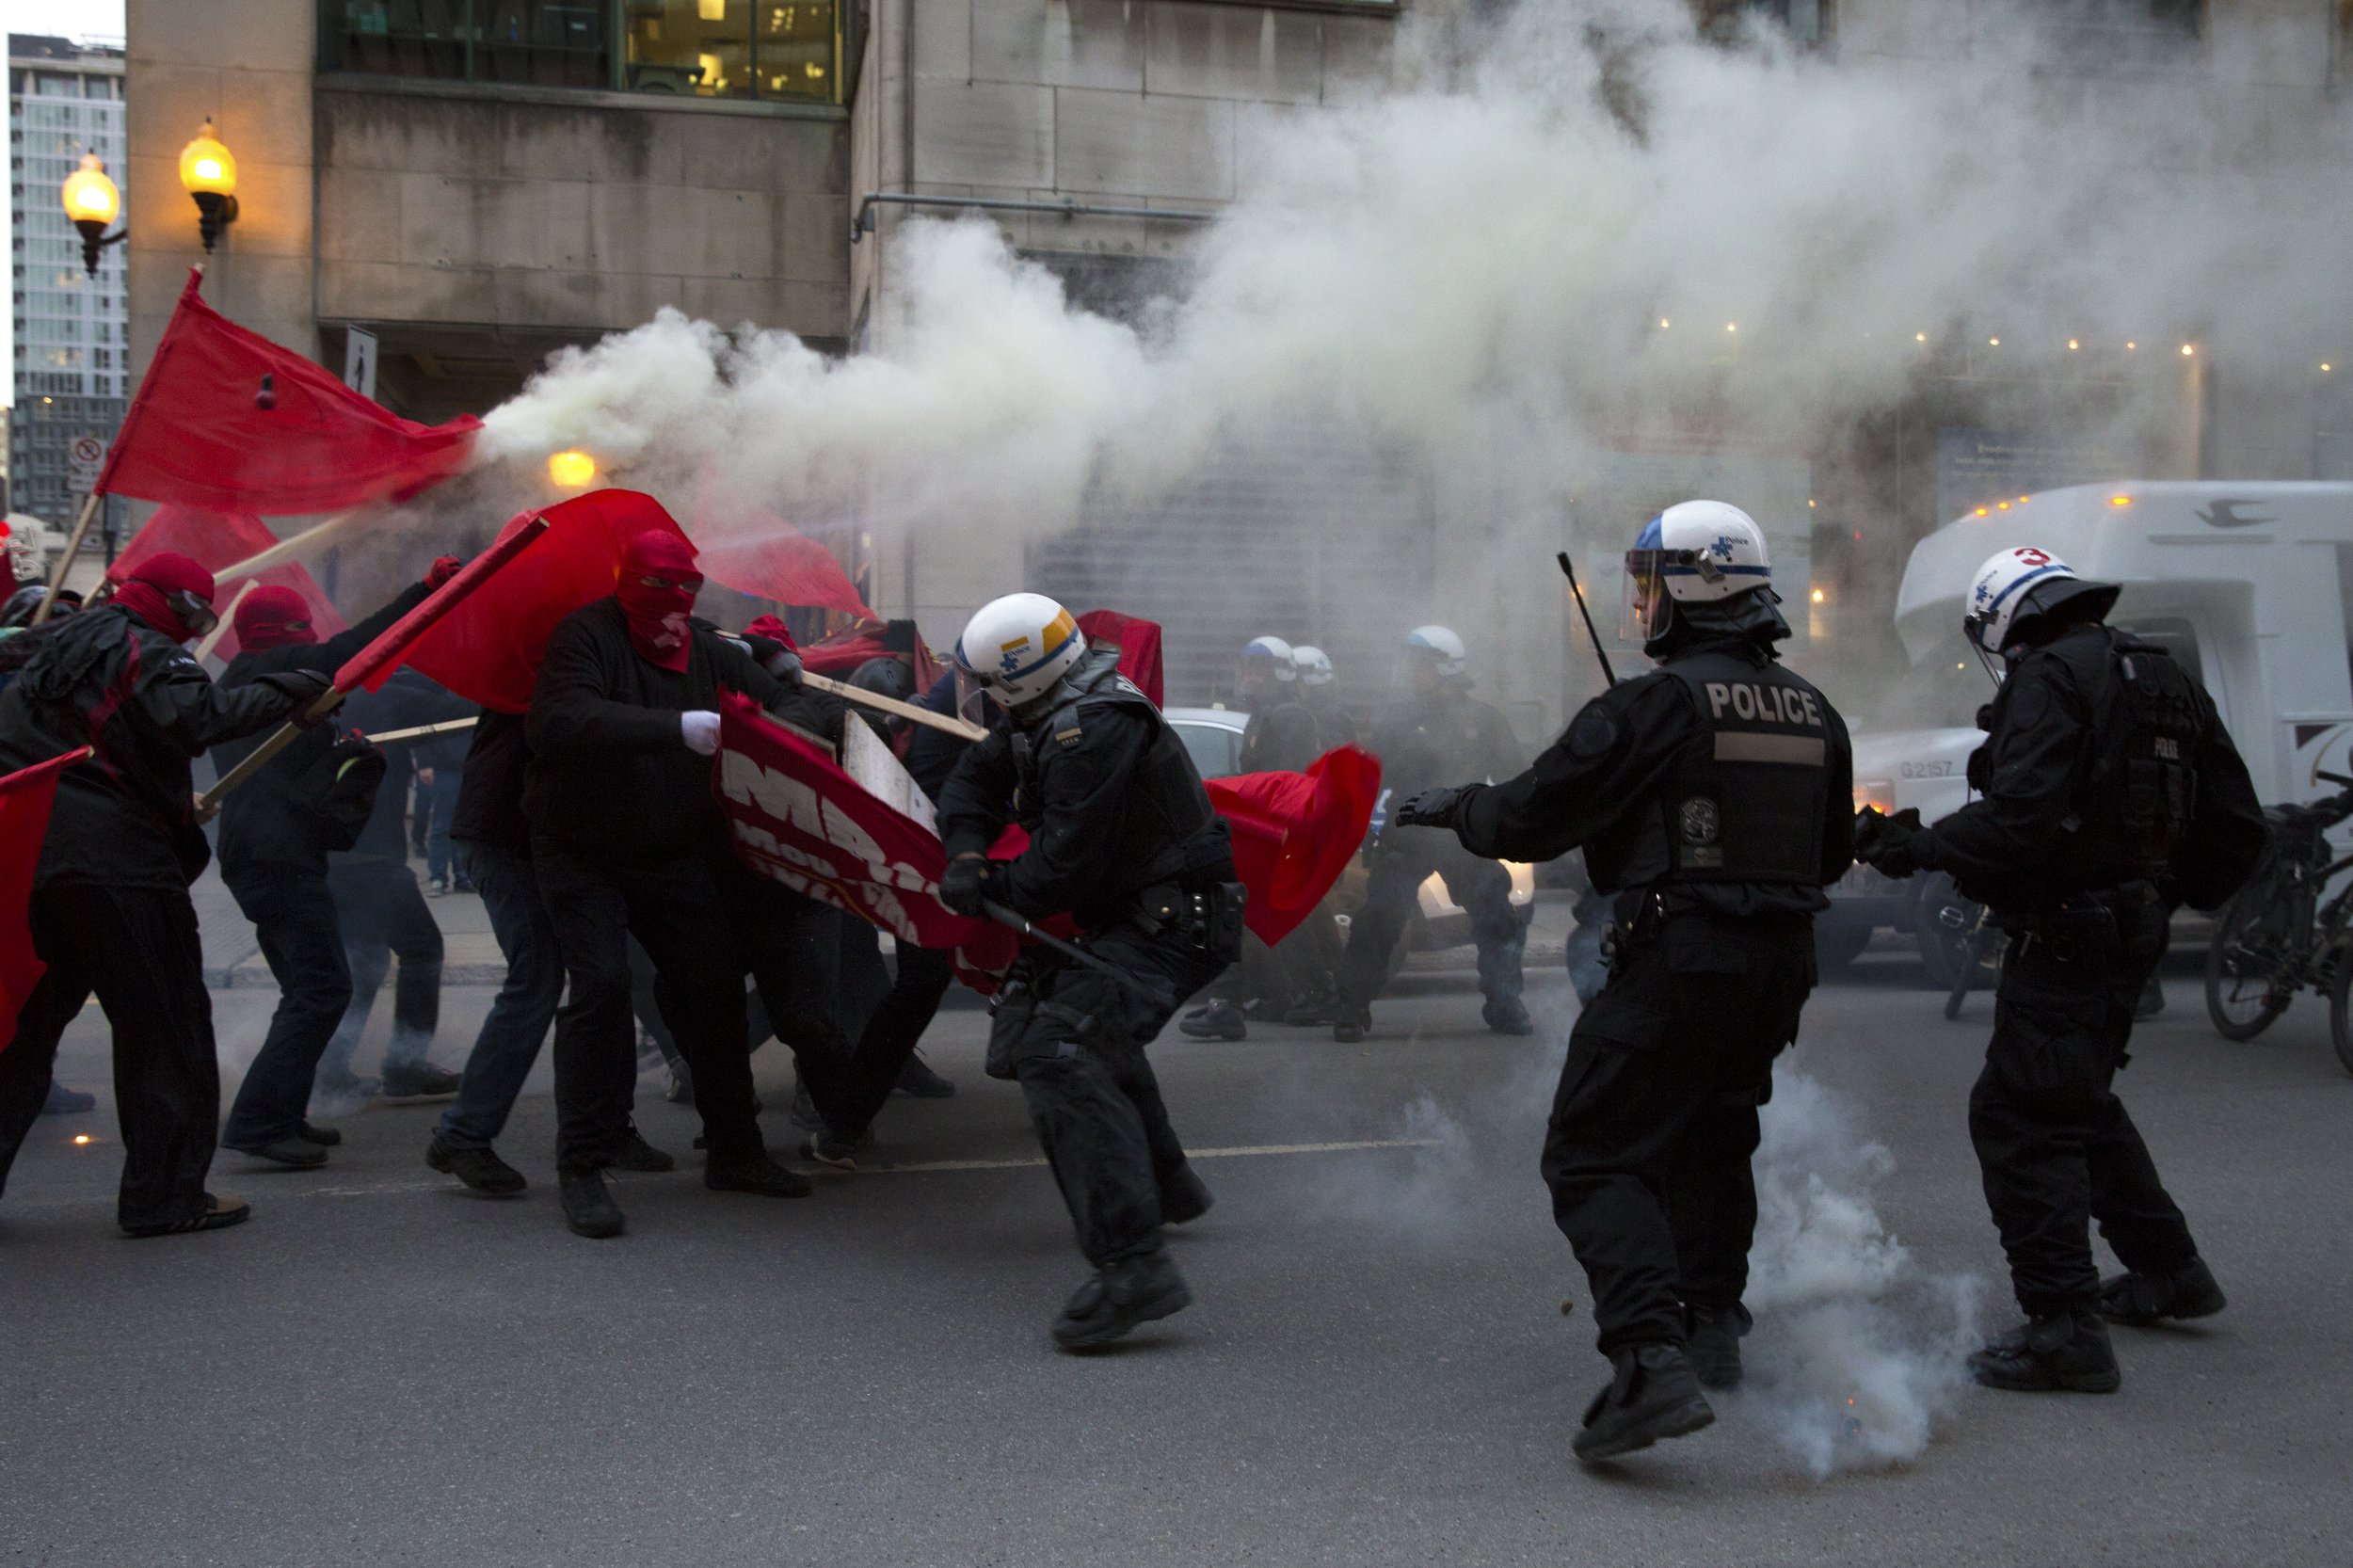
x,y
217,539
25,797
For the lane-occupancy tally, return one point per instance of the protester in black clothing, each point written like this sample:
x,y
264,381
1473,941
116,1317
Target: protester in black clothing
x,y
627,838
1713,797
275,832
2107,791
1435,732
1122,837
110,911
383,914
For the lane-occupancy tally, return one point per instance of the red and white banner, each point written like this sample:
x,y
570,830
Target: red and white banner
x,y
25,797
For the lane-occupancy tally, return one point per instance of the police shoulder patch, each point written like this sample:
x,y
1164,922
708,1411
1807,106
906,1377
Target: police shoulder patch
x,y
1067,737
1593,733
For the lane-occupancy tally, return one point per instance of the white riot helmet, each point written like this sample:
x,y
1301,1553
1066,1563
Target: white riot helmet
x,y
1314,666
2018,585
1441,647
1014,649
1693,553
1269,658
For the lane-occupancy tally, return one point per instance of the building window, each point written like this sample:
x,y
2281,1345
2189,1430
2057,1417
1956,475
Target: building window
x,y
773,49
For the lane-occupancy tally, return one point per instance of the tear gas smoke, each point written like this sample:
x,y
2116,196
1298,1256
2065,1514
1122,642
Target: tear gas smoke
x,y
1545,232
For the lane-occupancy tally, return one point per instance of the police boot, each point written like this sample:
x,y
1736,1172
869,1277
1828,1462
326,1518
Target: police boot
x,y
1499,978
1655,1394
588,1206
1120,1296
2066,1351
1185,1197
1714,1336
1505,1016
2188,1291
1220,1021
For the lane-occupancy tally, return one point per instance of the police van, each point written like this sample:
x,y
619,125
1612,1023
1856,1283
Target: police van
x,y
2249,586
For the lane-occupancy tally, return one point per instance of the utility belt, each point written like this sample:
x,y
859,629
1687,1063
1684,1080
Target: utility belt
x,y
1205,915
2076,928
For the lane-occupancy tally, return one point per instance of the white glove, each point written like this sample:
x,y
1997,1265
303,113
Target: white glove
x,y
701,730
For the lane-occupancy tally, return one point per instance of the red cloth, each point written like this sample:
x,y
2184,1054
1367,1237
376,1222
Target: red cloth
x,y
203,431
657,590
487,650
774,631
840,654
220,540
1295,833
25,797
274,617
1139,645
767,557
375,663
147,592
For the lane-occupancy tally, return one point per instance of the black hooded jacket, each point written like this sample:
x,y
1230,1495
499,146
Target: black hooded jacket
x,y
127,817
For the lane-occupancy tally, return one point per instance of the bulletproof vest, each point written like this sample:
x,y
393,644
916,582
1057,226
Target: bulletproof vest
x,y
1745,799
1167,830
2135,789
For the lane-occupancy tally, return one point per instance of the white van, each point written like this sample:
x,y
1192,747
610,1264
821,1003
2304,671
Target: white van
x,y
2250,586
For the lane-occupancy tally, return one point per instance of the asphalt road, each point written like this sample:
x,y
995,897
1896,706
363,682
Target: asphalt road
x,y
381,1368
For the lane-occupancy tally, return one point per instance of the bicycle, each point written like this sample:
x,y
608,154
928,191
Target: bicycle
x,y
2276,937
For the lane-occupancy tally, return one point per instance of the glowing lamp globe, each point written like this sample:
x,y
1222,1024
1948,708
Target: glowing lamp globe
x,y
208,171
90,195
573,470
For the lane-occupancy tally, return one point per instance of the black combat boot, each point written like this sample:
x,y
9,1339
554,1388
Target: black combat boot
x,y
632,1153
1120,1296
481,1170
1714,1336
1220,1021
2066,1352
1505,1016
757,1174
838,1149
1184,1198
1655,1394
588,1206
2188,1291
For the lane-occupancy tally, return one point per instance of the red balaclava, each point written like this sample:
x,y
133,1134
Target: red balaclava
x,y
274,617
657,589
148,592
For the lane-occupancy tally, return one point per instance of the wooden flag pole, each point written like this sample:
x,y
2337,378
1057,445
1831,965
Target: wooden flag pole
x,y
65,562
421,731
961,728
317,537
221,628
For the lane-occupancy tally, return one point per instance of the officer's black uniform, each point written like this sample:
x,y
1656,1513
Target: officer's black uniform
x,y
1423,741
1122,837
1713,797
2109,792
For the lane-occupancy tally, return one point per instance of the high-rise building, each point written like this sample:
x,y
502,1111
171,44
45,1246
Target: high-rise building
x,y
72,371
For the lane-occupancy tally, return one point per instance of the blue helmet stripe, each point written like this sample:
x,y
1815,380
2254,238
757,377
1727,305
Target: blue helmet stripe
x,y
2035,575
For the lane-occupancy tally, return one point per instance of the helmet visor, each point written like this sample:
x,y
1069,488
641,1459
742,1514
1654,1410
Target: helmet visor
x,y
975,702
1645,611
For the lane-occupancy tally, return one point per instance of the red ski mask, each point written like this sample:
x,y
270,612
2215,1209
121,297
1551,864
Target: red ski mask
x,y
172,594
657,590
274,617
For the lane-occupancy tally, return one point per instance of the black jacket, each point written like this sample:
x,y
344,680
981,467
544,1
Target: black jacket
x,y
127,817
490,808
407,699
931,753
1600,778
1426,739
271,819
1281,737
609,774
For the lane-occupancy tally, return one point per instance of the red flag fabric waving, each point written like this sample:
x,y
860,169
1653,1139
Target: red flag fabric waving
x,y
25,797
787,566
1295,832
204,431
840,654
1139,644
487,648
217,539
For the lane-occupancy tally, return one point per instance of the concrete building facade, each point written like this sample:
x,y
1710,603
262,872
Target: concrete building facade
x,y
73,366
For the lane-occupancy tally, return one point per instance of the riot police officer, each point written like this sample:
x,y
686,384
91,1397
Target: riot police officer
x,y
1123,838
2107,791
1713,798
1437,731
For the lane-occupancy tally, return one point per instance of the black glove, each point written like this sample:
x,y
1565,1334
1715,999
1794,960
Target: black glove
x,y
1432,808
303,687
1893,846
966,884
785,665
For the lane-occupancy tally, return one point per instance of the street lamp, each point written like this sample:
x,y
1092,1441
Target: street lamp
x,y
208,171
92,202
573,469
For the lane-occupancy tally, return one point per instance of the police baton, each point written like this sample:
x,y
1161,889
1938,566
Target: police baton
x,y
1577,593
1077,954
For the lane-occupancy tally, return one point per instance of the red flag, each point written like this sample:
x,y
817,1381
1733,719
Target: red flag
x,y
840,654
1139,645
1295,833
25,797
375,663
217,539
785,565
205,430
488,649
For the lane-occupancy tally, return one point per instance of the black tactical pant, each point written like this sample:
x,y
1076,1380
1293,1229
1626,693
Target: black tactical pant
x,y
1075,1039
1400,863
674,909
294,919
891,1032
137,949
1647,1151
2055,1145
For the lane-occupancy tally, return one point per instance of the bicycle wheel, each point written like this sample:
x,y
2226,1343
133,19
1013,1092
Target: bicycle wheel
x,y
2249,965
2340,1007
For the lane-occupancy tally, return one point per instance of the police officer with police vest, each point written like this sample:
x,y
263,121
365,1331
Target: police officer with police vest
x,y
1713,798
1123,838
2107,791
